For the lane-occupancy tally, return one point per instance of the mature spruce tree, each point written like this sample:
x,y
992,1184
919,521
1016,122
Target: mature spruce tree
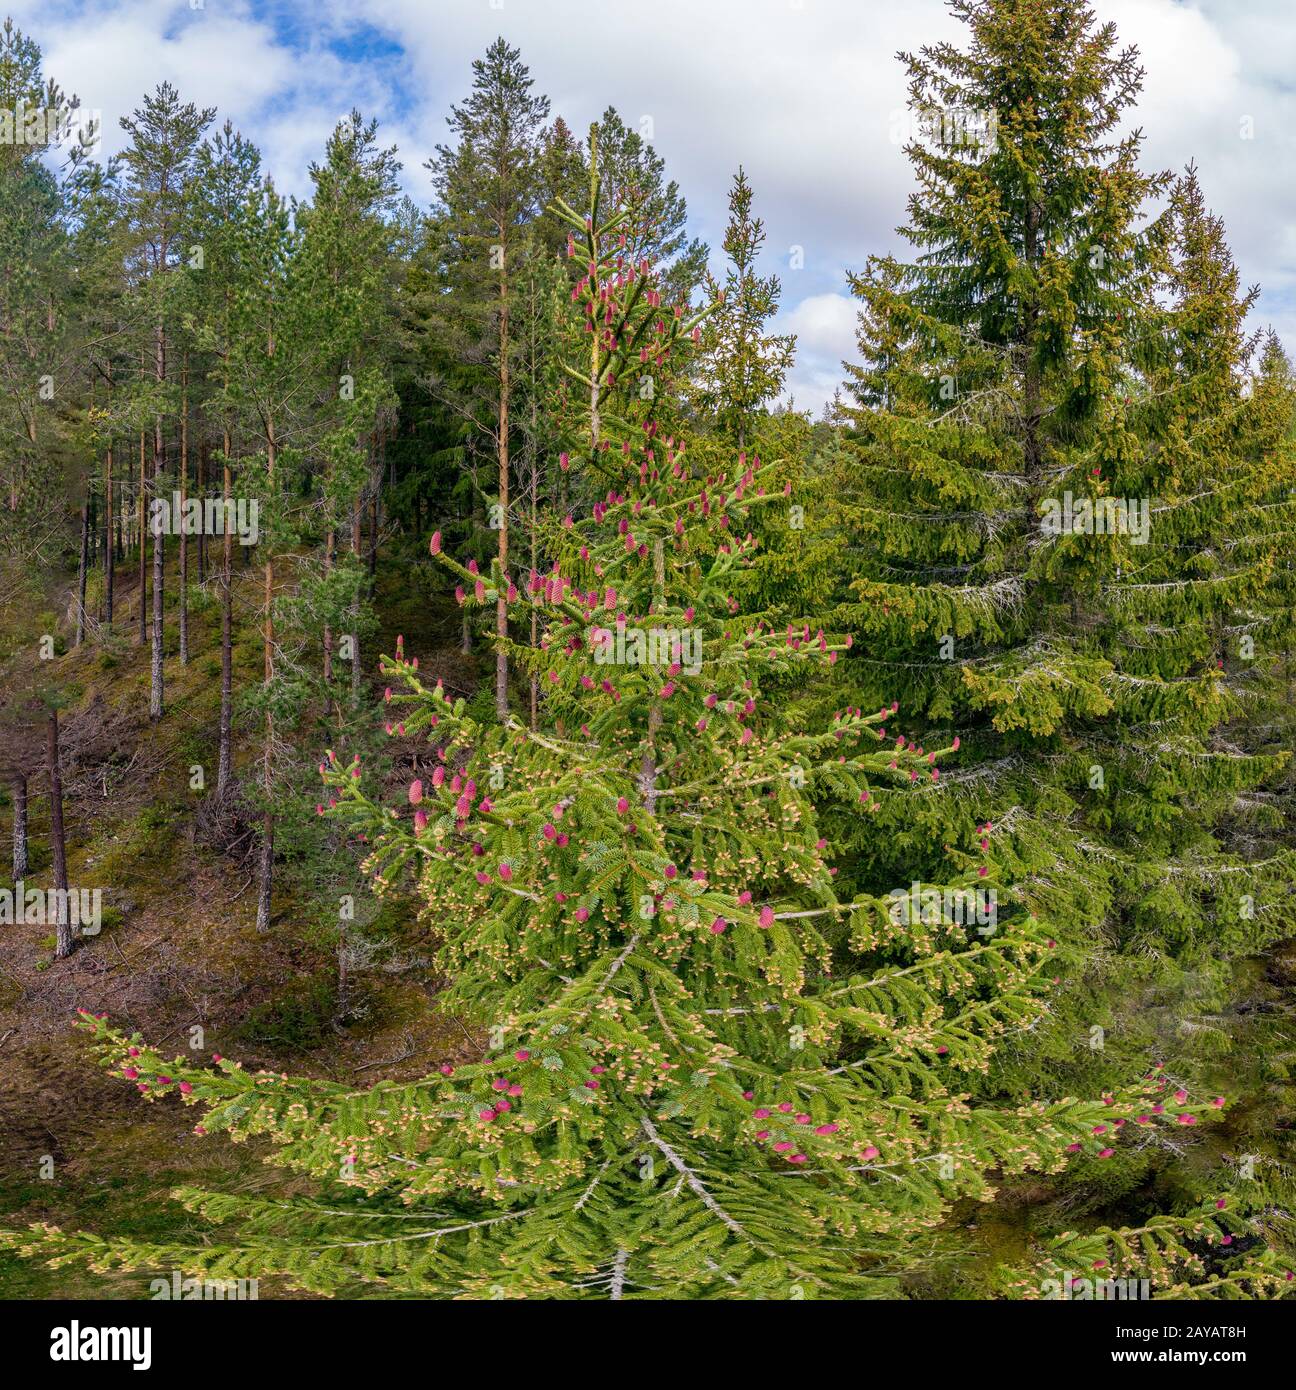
x,y
1023,504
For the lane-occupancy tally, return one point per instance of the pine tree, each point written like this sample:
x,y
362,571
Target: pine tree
x,y
488,184
39,357
225,199
346,254
164,138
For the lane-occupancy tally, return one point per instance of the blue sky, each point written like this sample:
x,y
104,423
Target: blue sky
x,y
803,93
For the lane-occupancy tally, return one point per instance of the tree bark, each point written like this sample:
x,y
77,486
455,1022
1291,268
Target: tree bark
x,y
109,539
143,530
357,511
223,753
501,604
64,939
156,681
156,690
20,859
184,487
266,886
81,569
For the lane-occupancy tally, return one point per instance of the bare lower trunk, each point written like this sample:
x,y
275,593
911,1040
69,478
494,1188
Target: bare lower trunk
x,y
81,570
156,692
109,539
223,755
373,533
19,826
356,513
143,530
501,605
266,884
64,938
184,539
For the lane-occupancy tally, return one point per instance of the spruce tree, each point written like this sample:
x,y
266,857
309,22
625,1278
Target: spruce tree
x,y
742,366
488,186
165,135
1049,533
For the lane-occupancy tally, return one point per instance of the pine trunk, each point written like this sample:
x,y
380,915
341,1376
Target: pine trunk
x,y
64,939
142,508
19,826
81,570
224,752
109,539
501,604
184,538
266,886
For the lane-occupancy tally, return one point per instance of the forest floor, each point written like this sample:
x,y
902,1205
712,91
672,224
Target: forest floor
x,y
178,950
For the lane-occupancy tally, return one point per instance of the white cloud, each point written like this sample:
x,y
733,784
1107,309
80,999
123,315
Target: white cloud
x,y
801,92
825,328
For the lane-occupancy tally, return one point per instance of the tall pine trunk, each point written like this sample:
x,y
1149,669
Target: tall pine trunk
x,y
64,939
157,678
81,570
501,604
109,538
184,537
266,885
19,825
224,754
143,530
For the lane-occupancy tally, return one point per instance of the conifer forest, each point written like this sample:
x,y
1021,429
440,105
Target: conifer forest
x,y
531,768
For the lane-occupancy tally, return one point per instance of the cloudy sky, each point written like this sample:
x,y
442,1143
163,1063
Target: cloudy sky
x,y
803,93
